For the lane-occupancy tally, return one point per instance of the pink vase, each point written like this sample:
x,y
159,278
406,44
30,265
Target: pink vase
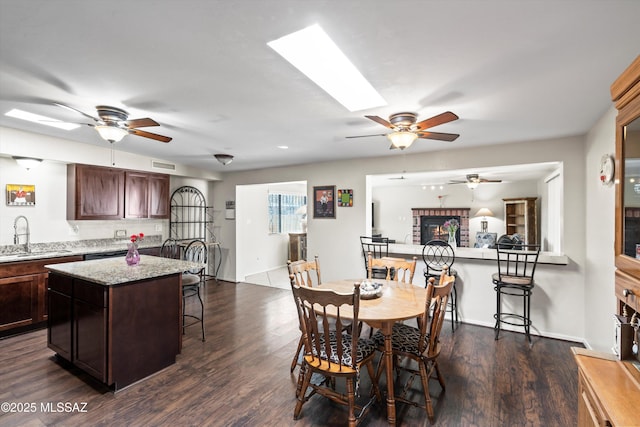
x,y
132,257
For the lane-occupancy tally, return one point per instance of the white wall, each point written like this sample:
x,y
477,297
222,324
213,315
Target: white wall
x,y
47,219
599,299
560,293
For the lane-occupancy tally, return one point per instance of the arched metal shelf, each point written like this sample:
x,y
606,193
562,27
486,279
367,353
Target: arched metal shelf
x,y
192,219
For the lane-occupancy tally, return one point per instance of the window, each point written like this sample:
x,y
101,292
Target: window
x,y
286,212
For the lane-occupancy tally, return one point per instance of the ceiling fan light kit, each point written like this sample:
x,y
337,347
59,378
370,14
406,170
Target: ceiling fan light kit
x,y
113,124
225,159
111,133
402,139
406,129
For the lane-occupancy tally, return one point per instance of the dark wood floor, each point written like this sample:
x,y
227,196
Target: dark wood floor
x,y
240,377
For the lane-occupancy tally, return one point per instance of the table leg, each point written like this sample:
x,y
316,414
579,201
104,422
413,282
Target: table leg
x,y
387,329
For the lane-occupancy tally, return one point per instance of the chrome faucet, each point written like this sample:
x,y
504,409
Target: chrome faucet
x,y
27,233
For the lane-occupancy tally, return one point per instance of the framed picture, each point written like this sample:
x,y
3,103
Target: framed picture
x,y
21,195
324,201
345,198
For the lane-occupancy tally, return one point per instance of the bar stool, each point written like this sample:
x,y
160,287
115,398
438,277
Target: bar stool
x,y
438,255
516,266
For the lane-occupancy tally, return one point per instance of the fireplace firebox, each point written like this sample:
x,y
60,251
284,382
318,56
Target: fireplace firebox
x,y
428,222
431,228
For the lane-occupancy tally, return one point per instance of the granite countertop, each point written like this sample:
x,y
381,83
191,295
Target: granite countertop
x,y
476,254
13,253
115,271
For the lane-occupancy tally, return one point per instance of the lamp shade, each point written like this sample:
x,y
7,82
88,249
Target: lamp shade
x,y
111,133
27,162
484,212
402,139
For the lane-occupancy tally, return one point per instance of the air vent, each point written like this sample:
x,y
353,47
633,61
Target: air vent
x,y
155,164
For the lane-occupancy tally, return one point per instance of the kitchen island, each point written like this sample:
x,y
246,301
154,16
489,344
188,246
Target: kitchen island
x,y
118,323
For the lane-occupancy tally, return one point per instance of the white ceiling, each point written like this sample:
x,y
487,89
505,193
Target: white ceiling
x,y
512,71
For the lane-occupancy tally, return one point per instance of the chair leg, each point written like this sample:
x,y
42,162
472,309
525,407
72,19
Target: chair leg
x,y
374,383
424,378
351,398
436,367
201,313
527,313
454,308
305,375
184,305
295,356
498,312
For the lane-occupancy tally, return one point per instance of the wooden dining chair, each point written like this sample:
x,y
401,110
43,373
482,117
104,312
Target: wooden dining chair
x,y
331,352
398,269
303,273
421,344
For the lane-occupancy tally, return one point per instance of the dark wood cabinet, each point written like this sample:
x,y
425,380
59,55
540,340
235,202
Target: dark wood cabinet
x,y
60,316
23,294
159,185
136,195
118,334
96,192
90,328
297,246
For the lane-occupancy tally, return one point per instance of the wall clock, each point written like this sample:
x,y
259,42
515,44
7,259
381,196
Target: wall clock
x,y
606,169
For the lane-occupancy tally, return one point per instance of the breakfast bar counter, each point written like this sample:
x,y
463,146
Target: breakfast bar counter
x,y
117,323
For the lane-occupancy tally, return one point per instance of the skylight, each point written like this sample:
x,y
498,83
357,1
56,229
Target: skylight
x,y
312,52
43,120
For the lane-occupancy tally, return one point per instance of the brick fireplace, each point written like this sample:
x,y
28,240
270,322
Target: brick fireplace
x,y
422,217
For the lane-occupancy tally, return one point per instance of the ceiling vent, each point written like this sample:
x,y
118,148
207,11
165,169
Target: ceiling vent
x,y
155,164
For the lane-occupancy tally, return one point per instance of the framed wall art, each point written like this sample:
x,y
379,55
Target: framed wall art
x,y
21,195
324,201
345,198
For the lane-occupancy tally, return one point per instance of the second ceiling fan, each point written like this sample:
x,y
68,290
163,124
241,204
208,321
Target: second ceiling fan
x,y
473,180
406,129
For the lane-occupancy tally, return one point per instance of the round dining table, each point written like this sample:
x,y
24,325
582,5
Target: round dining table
x,y
398,301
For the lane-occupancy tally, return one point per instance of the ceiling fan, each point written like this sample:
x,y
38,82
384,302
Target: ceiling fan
x,y
113,124
406,130
473,180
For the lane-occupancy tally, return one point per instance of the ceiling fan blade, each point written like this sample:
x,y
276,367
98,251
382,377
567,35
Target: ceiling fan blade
x,y
436,120
458,182
490,180
77,111
366,136
438,135
381,121
140,123
149,135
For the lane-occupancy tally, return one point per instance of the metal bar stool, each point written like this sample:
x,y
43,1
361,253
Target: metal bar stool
x,y
438,254
516,266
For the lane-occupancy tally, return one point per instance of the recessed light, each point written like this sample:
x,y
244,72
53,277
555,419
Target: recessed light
x,y
42,120
312,52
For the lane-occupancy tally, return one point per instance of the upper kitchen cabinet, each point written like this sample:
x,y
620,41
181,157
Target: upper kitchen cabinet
x,y
159,196
96,192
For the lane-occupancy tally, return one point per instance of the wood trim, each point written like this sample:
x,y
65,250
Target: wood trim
x,y
623,90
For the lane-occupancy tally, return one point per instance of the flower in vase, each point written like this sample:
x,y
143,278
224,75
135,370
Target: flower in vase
x,y
136,239
451,225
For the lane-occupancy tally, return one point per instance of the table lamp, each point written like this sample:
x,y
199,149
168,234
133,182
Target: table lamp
x,y
484,224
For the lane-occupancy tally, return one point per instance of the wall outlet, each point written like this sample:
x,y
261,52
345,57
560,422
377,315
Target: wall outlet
x,y
158,227
121,233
